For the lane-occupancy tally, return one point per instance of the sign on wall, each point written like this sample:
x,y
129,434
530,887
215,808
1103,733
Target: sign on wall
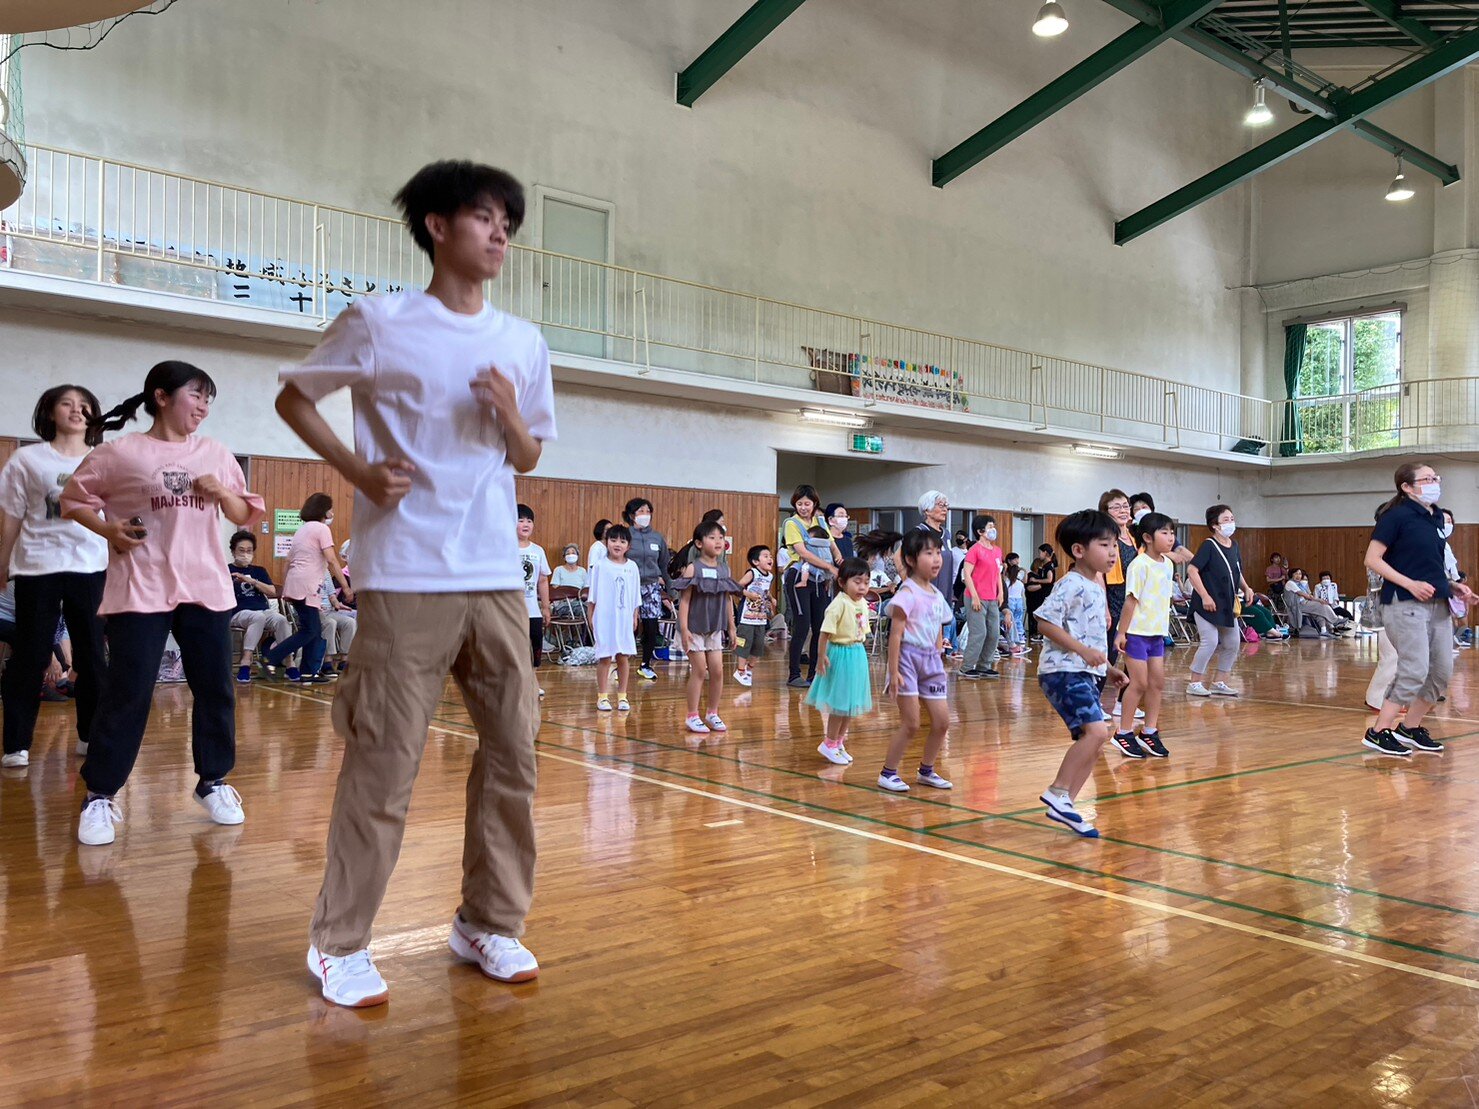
x,y
286,521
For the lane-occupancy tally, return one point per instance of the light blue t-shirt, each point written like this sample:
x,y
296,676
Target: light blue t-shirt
x,y
1077,605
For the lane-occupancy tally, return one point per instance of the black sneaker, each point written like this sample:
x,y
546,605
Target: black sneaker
x,y
973,674
1385,743
1151,742
1125,744
799,682
1417,739
991,672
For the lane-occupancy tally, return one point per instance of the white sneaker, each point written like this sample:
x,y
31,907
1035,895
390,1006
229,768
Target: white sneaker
x,y
16,759
501,958
715,723
1197,689
744,678
223,803
933,779
697,726
846,753
81,748
348,980
1222,689
98,817
893,783
835,755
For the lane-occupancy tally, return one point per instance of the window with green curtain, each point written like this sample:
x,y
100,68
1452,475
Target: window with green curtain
x,y
1294,342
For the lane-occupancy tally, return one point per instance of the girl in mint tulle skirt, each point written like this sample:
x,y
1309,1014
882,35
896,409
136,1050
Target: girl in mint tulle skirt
x,y
843,688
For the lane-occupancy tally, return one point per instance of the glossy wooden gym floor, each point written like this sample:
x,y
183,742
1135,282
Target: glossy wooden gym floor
x,y
1272,917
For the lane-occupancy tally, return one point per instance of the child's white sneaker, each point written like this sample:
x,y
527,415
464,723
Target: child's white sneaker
x,y
835,755
933,779
893,783
697,726
743,677
715,724
603,704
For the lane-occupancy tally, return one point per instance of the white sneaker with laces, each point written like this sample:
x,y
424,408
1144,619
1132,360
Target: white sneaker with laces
x,y
223,803
1222,689
98,817
349,980
16,759
1197,689
715,724
501,958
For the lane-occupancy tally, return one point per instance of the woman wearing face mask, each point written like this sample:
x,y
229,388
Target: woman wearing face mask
x,y
837,521
1407,551
310,556
1217,582
570,574
649,550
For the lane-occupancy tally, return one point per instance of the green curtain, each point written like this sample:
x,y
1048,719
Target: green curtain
x,y
1294,337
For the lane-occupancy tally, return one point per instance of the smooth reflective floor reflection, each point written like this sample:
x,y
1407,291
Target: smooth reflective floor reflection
x,y
1273,916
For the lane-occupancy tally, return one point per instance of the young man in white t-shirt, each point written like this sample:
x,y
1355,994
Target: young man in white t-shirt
x,y
451,397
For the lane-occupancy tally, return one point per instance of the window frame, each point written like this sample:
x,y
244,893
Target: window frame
x,y
1347,395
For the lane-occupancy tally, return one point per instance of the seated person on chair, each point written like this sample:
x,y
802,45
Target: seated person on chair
x,y
255,615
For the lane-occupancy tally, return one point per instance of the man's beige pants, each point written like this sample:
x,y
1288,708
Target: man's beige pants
x,y
407,643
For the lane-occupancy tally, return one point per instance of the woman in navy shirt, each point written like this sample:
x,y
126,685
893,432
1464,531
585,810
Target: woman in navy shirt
x,y
1407,552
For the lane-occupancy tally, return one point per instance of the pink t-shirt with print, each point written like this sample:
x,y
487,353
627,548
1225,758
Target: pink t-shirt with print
x,y
180,561
307,564
984,564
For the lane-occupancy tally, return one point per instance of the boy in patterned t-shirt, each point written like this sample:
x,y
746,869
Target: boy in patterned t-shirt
x,y
1075,662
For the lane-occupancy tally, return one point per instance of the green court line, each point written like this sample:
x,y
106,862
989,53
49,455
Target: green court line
x,y
1138,883
1013,817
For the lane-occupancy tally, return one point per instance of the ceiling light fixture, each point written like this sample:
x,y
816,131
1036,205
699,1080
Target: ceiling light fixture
x,y
1260,113
834,419
1400,189
1093,450
1051,22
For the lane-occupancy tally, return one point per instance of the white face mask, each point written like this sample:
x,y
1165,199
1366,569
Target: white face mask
x,y
1227,530
1446,530
643,520
991,533
1430,493
1142,514
571,559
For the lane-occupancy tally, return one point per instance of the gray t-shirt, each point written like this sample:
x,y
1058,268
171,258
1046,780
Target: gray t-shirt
x,y
1077,605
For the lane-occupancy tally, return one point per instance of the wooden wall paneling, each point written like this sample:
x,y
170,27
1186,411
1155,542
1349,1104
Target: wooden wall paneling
x,y
285,483
8,447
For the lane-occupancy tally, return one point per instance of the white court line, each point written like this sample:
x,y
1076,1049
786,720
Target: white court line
x,y
983,864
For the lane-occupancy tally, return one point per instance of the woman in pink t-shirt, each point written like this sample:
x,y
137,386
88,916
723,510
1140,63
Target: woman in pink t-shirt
x,y
157,498
310,556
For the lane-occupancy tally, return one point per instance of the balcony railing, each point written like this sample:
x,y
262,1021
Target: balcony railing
x,y
102,220
1413,415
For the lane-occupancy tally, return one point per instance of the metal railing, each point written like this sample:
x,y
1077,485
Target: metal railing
x,y
1440,413
104,220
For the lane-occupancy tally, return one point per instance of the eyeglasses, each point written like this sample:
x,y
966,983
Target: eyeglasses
x,y
1427,480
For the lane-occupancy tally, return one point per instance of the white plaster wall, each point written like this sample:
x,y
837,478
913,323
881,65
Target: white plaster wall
x,y
804,174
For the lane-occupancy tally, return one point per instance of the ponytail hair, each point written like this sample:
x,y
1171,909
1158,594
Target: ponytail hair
x,y
1404,475
873,544
911,546
166,377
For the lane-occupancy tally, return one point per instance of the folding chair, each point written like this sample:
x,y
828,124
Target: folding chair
x,y
569,624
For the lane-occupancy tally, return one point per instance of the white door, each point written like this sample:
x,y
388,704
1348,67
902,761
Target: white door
x,y
574,302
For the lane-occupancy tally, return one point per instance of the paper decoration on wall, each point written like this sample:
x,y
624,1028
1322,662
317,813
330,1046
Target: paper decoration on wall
x,y
892,379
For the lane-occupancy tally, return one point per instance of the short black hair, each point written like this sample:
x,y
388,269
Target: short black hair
x,y
807,491
618,531
239,536
853,568
831,509
1083,527
601,526
705,529
526,513
633,506
1143,498
1149,524
713,514
316,507
980,522
44,423
1327,574
752,556
1217,510
446,188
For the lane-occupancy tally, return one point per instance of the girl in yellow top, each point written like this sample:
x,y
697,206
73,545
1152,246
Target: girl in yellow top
x,y
1141,638
843,686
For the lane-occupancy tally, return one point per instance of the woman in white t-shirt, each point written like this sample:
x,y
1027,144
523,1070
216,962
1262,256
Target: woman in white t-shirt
x,y
57,566
597,553
310,556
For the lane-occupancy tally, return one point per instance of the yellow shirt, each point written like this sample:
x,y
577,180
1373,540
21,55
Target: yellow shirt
x,y
1149,582
846,621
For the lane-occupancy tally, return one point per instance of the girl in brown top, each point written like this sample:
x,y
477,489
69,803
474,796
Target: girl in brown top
x,y
705,612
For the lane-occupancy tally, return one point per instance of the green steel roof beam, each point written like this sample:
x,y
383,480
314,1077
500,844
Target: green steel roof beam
x,y
1059,93
1210,46
1424,70
748,31
1391,11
